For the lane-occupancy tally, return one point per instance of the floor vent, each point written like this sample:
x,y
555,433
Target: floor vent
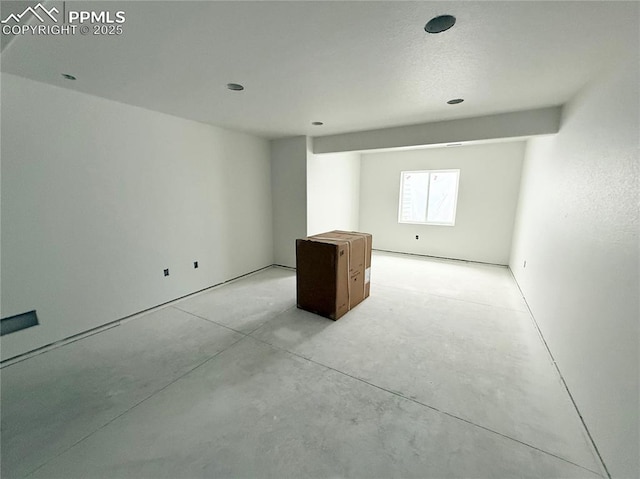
x,y
18,322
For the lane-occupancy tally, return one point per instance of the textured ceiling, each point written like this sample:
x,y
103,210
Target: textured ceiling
x,y
353,65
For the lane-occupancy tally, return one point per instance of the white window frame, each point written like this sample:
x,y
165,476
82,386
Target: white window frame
x,y
432,223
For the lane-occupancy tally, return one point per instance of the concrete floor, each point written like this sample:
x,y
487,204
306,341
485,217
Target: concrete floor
x,y
439,374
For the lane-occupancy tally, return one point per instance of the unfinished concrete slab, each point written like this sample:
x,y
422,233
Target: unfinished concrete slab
x,y
54,400
256,411
477,362
244,305
410,383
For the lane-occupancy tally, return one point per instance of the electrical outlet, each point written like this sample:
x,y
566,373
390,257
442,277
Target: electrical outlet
x,y
166,272
195,264
417,236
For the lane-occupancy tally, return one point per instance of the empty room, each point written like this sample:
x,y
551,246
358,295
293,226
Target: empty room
x,y
313,239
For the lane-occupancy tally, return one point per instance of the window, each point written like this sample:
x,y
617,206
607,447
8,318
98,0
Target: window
x,y
428,197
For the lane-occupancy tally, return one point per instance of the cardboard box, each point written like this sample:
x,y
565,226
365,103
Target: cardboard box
x,y
333,272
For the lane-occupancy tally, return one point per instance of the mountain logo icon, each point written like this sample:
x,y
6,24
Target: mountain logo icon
x,y
39,11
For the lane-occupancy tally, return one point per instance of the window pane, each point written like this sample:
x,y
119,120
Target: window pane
x,y
414,196
443,189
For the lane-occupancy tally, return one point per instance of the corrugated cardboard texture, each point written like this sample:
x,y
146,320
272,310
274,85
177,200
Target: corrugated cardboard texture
x,y
333,271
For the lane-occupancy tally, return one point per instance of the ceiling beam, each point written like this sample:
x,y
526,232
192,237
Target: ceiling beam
x,y
542,121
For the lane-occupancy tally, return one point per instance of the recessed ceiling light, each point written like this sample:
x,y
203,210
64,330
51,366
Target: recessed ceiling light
x,y
455,101
68,77
440,24
317,123
235,86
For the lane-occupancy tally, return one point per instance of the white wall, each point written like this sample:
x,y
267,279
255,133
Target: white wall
x,y
487,199
333,192
98,198
577,229
289,186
